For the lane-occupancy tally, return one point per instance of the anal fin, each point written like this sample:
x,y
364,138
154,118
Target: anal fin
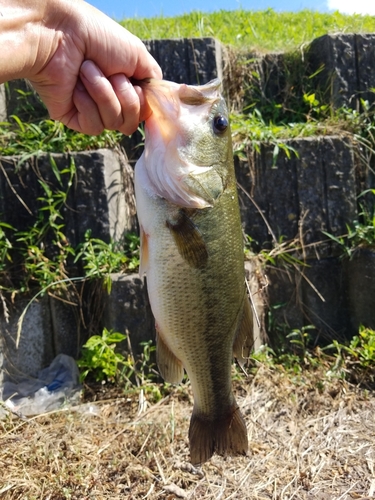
x,y
170,367
244,340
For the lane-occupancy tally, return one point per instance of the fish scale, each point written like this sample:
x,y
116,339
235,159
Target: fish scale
x,y
192,255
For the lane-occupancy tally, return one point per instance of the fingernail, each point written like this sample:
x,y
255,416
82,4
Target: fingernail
x,y
125,84
90,71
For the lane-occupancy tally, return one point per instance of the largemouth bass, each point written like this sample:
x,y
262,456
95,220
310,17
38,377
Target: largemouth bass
x,y
192,255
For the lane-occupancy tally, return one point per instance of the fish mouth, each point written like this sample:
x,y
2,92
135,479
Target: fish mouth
x,y
193,95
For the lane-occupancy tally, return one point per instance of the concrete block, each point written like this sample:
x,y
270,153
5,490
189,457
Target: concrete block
x,y
193,61
251,179
361,286
325,300
127,310
365,55
283,302
101,198
301,194
66,325
35,349
344,67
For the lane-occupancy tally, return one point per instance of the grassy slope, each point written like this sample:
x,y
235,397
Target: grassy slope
x,y
262,30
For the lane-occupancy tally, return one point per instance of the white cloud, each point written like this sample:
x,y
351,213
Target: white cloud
x,y
353,6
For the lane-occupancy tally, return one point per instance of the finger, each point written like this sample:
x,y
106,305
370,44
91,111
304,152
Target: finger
x,y
129,101
146,66
102,93
86,118
84,115
145,110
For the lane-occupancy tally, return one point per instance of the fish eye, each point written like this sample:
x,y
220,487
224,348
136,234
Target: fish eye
x,y
220,124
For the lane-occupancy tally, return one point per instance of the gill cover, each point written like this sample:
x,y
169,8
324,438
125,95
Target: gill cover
x,y
182,148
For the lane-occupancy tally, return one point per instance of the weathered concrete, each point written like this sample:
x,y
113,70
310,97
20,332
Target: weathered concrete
x,y
55,326
361,285
101,198
325,300
302,196
127,310
344,67
194,61
283,302
35,349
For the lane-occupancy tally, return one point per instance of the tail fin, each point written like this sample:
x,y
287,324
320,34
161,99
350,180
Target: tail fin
x,y
226,435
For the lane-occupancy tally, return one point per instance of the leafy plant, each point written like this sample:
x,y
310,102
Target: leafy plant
x,y
27,138
99,357
131,250
355,361
100,259
100,360
301,339
362,231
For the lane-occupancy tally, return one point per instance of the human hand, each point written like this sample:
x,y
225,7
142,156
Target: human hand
x,y
83,65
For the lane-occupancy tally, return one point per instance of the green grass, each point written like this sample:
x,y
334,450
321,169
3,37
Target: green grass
x,y
18,137
264,30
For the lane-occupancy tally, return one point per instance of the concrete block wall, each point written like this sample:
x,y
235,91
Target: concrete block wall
x,y
299,196
101,200
298,199
312,191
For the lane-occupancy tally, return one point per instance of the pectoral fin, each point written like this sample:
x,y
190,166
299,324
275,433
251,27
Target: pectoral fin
x,y
189,240
170,367
143,261
244,341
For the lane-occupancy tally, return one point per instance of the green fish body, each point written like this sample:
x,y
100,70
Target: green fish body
x,y
192,255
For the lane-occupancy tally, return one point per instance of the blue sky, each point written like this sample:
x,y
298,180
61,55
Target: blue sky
x,y
148,8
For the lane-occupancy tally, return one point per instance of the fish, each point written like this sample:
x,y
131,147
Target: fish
x,y
192,256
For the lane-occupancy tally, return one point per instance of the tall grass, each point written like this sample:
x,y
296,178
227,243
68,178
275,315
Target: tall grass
x,y
265,30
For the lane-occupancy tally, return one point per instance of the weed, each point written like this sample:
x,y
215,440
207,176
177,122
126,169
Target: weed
x,y
100,259
99,357
355,361
27,138
362,231
100,360
301,340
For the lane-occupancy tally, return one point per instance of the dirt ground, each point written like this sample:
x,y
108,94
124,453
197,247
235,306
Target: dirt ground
x,y
311,436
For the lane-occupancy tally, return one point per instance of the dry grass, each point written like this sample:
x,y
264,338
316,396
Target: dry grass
x,y
310,438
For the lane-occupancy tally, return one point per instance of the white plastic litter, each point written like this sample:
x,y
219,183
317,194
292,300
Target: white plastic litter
x,y
56,386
